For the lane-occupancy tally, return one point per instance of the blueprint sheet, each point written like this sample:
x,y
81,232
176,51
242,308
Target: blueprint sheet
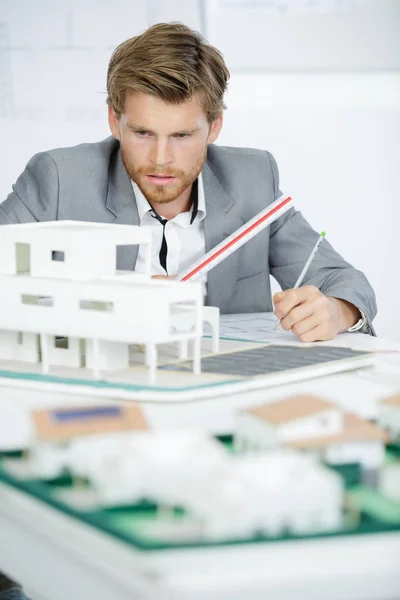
x,y
258,327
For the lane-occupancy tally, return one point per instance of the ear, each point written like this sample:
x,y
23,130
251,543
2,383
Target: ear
x,y
215,128
113,123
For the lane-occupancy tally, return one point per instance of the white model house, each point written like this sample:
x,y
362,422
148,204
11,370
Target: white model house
x,y
71,250
55,431
272,425
282,491
389,416
228,496
359,441
123,460
389,481
59,280
161,466
311,424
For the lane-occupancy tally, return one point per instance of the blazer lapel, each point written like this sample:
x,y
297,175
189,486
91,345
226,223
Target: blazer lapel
x,y
121,203
218,225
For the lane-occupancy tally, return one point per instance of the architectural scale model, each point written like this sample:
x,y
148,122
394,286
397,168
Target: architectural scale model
x,y
297,466
69,320
63,303
230,495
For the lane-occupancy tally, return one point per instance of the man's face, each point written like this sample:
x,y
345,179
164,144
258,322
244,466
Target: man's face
x,y
163,146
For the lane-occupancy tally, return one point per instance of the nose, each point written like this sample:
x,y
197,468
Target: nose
x,y
161,155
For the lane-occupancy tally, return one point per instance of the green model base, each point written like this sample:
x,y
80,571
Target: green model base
x,y
148,527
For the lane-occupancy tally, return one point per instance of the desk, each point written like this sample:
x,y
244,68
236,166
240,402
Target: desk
x,y
58,558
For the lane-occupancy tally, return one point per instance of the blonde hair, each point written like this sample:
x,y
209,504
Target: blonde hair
x,y
170,61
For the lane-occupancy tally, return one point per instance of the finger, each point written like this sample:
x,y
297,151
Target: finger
x,y
305,290
278,296
306,325
288,299
320,333
299,315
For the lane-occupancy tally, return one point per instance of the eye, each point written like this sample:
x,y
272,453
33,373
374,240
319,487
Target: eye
x,y
142,133
181,136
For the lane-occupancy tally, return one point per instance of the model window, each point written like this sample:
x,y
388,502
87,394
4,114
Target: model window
x,y
99,305
58,255
37,300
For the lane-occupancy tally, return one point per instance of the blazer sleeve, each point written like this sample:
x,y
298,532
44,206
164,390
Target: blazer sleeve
x,y
291,241
35,194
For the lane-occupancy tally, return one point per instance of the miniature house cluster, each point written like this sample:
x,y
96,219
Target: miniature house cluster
x,y
316,426
230,496
279,479
64,303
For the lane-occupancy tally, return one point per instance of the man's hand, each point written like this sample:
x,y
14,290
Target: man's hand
x,y
163,276
311,315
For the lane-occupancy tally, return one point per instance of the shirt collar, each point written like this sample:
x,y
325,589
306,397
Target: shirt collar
x,y
144,207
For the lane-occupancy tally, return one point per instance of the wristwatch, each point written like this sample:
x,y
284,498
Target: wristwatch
x,y
362,324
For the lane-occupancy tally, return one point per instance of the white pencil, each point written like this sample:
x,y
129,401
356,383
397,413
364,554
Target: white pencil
x,y
238,238
306,267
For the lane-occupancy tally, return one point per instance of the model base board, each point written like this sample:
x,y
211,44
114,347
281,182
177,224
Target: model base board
x,y
240,366
151,527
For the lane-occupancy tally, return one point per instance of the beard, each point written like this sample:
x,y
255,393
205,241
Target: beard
x,y
159,193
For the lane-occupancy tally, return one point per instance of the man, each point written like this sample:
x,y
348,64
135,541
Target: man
x,y
160,168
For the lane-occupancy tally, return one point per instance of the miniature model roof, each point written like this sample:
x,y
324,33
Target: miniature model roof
x,y
392,400
113,232
291,409
354,430
65,423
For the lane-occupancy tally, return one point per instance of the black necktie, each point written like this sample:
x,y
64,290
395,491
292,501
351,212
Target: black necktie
x,y
164,248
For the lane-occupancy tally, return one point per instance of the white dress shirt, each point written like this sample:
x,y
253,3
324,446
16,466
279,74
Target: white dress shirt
x,y
185,241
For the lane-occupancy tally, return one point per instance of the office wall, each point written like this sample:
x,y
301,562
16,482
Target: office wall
x,y
335,131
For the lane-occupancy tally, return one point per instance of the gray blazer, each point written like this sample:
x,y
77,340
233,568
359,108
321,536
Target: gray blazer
x,y
89,183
